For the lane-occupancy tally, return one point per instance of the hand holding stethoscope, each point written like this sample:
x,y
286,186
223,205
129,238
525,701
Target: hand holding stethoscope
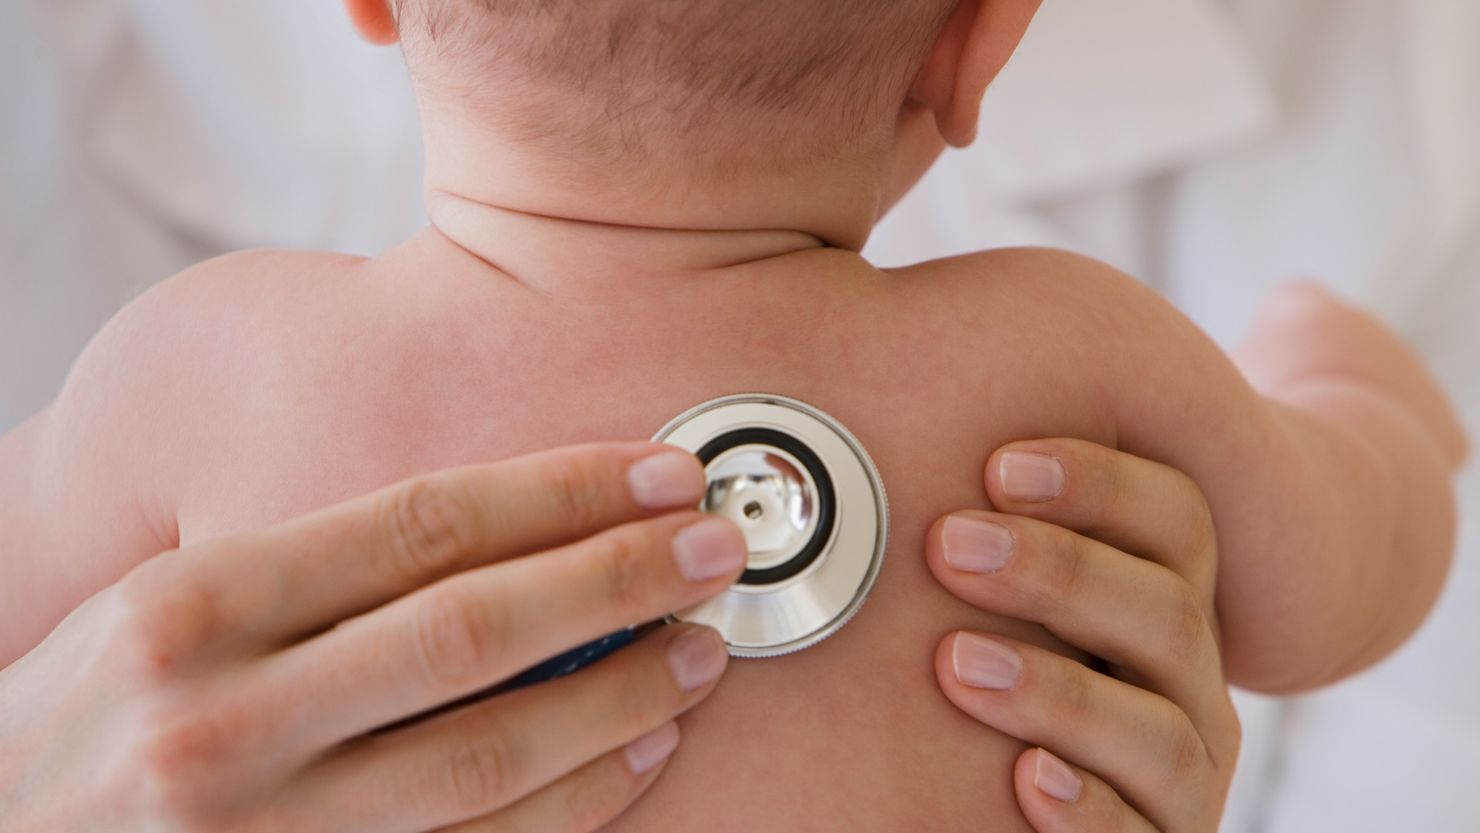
x,y
246,683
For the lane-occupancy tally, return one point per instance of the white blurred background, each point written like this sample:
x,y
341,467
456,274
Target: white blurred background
x,y
1211,147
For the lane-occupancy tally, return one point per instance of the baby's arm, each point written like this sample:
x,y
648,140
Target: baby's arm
x,y
1378,431
1331,488
85,485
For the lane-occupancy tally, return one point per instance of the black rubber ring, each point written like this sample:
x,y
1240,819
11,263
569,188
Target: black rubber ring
x,y
826,507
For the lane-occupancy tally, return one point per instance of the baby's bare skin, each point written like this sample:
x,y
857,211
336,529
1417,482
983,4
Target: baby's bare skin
x,y
349,375
263,385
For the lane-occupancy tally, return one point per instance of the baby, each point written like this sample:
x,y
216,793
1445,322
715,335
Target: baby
x,y
639,206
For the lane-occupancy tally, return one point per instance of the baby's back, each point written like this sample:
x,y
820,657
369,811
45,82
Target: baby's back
x,y
356,373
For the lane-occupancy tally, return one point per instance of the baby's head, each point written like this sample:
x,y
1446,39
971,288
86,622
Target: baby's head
x,y
719,86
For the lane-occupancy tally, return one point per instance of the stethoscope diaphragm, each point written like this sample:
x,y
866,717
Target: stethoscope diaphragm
x,y
813,509
815,518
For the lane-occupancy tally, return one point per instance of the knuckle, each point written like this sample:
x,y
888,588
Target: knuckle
x,y
1203,534
641,705
1232,736
1075,700
1200,537
1114,485
623,580
174,763
160,622
573,493
1185,752
596,797
162,797
426,531
1187,625
1070,573
481,770
454,640
1226,738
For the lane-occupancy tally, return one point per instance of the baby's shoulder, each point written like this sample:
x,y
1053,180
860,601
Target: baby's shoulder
x,y
204,331
1030,293
167,370
1027,273
252,278
212,310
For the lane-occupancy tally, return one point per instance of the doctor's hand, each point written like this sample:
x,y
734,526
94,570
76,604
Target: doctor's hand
x,y
1116,556
264,682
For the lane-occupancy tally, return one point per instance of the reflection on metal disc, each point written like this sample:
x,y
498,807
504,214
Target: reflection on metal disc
x,y
813,510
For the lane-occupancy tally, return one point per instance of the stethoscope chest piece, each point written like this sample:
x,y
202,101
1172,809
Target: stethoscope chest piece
x,y
813,510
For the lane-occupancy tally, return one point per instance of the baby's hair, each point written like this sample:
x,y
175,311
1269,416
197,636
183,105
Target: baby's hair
x,y
610,75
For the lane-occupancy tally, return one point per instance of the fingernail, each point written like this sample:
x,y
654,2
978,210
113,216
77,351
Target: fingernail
x,y
976,546
1055,779
697,658
652,748
1031,477
985,663
709,549
666,480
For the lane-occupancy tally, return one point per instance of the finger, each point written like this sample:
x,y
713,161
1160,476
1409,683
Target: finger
x,y
589,797
473,630
1133,613
479,759
1140,743
1059,798
1135,505
308,574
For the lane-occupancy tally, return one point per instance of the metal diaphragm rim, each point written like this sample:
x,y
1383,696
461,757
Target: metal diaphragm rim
x,y
804,609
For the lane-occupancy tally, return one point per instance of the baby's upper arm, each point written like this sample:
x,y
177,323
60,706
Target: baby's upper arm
x,y
88,486
1333,515
1169,394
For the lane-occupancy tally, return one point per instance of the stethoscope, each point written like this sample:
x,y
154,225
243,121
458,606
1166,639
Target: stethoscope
x,y
812,507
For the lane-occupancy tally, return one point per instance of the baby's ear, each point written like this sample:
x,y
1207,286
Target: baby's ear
x,y
973,47
374,20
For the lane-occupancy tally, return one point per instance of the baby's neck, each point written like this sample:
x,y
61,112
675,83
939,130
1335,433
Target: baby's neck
x,y
558,226
570,258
